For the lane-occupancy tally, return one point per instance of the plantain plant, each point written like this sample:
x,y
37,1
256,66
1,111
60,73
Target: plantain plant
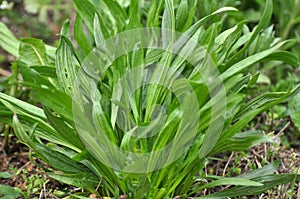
x,y
138,96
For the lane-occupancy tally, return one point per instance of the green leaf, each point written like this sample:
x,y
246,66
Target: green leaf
x,y
8,41
254,107
285,56
182,15
99,37
81,179
62,105
268,181
193,29
56,159
23,107
134,15
241,141
263,23
168,24
117,12
66,132
8,192
249,61
33,76
80,36
294,110
86,11
5,175
66,67
230,181
33,52
46,71
19,130
154,13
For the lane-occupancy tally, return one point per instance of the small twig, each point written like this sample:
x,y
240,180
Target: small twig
x,y
257,163
100,182
94,195
285,127
20,169
229,159
43,192
281,132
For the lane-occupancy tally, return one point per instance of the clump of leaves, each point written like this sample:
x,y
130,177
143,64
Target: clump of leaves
x,y
180,94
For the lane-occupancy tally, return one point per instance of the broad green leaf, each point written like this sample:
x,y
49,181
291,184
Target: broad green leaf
x,y
23,106
255,107
87,12
8,41
182,15
134,15
194,28
154,13
5,175
294,110
33,52
263,23
230,181
285,56
80,179
266,170
168,24
99,36
117,12
66,68
46,71
8,192
212,136
57,160
249,61
62,105
81,37
241,142
19,130
67,133
268,181
31,75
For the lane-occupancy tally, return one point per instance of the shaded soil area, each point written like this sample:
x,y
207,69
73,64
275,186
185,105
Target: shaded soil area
x,y
29,173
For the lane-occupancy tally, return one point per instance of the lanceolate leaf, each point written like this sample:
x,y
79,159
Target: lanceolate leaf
x,y
294,110
66,65
28,108
249,61
80,36
268,182
285,56
87,12
263,23
230,181
182,15
8,41
80,179
33,52
154,13
117,12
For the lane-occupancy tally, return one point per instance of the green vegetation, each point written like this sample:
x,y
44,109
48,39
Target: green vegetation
x,y
139,95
